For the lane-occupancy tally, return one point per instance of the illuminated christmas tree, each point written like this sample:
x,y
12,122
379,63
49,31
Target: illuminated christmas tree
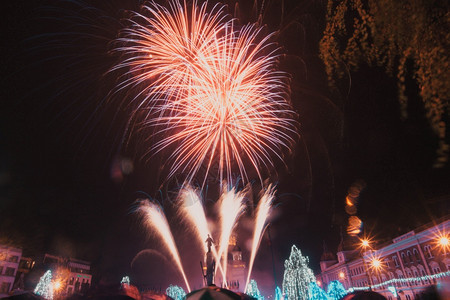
x,y
278,295
336,290
176,292
297,276
44,287
252,290
315,292
125,280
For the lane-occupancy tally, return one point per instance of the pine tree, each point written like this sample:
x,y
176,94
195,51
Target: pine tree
x,y
252,290
297,276
175,292
315,292
44,287
336,290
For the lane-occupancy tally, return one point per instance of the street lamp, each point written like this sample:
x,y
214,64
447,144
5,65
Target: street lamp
x,y
341,275
444,243
376,264
364,245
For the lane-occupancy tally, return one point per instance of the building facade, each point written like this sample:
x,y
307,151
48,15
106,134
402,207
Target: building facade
x,y
73,274
401,269
9,264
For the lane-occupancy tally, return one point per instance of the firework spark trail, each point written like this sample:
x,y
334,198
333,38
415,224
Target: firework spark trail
x,y
155,219
211,89
192,210
231,208
262,213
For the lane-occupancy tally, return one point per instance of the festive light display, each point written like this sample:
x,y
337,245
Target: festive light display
x,y
403,281
176,292
125,280
297,276
44,287
210,90
278,294
315,292
336,290
252,290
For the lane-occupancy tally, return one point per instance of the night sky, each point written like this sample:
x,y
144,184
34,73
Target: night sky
x,y
62,141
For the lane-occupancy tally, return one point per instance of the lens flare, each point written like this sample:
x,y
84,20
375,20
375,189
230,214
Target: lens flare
x,y
155,218
209,89
262,213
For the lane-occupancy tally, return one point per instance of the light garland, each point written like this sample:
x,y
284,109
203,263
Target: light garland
x,y
297,275
401,280
176,292
253,291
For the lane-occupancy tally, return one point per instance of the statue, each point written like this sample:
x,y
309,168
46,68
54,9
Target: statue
x,y
209,241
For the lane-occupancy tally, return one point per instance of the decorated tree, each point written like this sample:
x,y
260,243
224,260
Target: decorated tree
x,y
125,280
297,276
44,288
278,294
336,290
408,39
252,290
175,292
315,292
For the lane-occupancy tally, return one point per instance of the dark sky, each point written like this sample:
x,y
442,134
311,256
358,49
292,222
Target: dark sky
x,y
61,140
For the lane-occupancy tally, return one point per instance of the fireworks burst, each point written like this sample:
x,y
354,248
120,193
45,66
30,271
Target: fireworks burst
x,y
209,88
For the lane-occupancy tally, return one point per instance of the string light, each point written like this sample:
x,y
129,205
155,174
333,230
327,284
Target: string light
x,y
402,280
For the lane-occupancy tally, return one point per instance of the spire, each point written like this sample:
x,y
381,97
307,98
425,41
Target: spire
x,y
326,255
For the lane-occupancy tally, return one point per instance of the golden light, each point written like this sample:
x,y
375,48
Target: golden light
x,y
365,243
319,283
341,275
57,285
444,243
376,263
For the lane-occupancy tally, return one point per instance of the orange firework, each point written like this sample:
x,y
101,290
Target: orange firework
x,y
211,89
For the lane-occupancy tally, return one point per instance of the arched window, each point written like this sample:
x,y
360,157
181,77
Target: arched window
x,y
395,260
423,274
447,263
408,272
435,267
427,250
403,257
409,255
416,254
